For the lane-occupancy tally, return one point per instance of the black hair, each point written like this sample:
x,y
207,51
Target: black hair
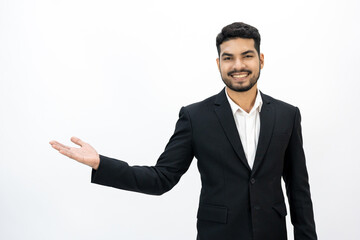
x,y
238,30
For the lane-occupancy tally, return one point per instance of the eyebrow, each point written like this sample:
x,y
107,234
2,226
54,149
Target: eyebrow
x,y
227,54
243,53
247,52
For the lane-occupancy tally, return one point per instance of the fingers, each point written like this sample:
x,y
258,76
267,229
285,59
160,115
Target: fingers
x,y
65,150
58,145
77,141
66,153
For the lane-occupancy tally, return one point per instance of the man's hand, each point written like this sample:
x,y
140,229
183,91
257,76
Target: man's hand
x,y
86,154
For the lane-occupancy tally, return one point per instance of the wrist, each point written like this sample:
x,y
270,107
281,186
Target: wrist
x,y
96,163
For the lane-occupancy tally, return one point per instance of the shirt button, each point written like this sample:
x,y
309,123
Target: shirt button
x,y
252,181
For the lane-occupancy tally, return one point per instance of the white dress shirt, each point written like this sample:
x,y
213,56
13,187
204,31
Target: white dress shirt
x,y
248,126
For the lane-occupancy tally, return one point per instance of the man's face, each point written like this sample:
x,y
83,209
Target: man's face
x,y
239,64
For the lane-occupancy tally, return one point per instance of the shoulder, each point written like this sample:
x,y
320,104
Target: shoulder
x,y
279,104
204,105
200,110
201,104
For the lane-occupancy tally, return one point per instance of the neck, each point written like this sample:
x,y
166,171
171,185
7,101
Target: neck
x,y
245,100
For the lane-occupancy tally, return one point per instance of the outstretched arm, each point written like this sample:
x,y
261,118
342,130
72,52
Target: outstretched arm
x,y
156,180
86,154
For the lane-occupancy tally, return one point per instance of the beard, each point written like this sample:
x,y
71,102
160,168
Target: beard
x,y
239,87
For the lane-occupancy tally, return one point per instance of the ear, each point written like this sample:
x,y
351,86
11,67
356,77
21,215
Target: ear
x,y
218,63
261,60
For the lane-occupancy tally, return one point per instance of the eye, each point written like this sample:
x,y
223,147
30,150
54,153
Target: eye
x,y
226,58
248,56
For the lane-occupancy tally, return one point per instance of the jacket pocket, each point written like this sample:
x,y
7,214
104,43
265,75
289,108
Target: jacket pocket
x,y
212,213
280,208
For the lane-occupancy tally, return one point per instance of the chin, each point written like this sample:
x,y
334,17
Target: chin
x,y
241,88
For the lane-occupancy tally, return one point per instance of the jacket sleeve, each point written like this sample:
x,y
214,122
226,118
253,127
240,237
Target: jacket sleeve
x,y
155,180
297,185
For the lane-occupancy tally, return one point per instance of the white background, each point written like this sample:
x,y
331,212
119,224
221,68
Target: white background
x,y
116,73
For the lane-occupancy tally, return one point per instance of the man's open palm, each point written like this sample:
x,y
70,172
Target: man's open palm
x,y
86,154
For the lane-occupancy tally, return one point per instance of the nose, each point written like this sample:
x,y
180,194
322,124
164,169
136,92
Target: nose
x,y
238,65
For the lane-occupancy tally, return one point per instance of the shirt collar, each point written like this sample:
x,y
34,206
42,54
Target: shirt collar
x,y
257,105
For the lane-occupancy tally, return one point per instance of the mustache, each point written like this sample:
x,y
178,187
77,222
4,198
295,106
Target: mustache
x,y
241,71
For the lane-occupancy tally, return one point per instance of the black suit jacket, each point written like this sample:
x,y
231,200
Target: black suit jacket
x,y
236,202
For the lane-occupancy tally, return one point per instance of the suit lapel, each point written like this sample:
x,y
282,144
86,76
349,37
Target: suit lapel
x,y
226,118
267,122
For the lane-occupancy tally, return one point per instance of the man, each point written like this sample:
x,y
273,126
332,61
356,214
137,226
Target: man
x,y
244,142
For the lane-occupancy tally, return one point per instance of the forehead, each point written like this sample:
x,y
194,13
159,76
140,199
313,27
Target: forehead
x,y
237,45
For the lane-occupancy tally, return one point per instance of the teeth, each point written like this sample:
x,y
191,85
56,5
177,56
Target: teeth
x,y
240,76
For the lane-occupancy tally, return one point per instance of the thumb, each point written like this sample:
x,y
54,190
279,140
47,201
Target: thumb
x,y
77,141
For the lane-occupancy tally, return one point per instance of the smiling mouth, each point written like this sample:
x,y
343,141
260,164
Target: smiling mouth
x,y
240,76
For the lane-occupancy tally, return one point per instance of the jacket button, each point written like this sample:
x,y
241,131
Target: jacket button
x,y
252,181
